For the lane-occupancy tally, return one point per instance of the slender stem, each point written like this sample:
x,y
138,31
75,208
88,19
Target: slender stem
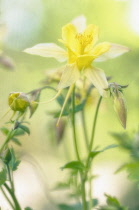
x,y
85,130
83,192
90,149
10,177
17,206
10,134
6,140
76,149
94,123
93,130
10,203
73,124
90,190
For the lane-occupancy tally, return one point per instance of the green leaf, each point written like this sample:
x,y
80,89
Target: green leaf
x,y
112,201
14,163
28,208
4,130
18,132
6,157
25,128
16,141
95,153
112,204
77,165
124,140
77,206
80,107
2,176
60,99
111,146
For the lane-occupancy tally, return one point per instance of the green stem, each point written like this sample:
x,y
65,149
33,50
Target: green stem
x,y
73,124
76,149
83,192
6,140
90,149
93,130
10,178
85,129
17,206
10,203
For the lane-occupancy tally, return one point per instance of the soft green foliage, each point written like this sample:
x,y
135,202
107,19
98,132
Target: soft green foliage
x,y
14,162
95,153
3,176
112,204
75,165
130,143
77,206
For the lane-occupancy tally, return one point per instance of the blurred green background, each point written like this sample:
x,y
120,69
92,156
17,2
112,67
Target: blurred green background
x,y
29,22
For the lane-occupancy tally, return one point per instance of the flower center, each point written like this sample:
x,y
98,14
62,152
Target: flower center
x,y
84,40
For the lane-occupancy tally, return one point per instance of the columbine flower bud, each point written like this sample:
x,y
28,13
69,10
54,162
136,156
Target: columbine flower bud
x,y
18,101
119,102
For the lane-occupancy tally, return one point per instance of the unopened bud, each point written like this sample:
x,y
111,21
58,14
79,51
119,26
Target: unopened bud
x,y
18,101
120,108
119,102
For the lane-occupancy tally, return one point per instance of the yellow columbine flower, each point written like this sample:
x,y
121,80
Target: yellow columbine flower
x,y
81,50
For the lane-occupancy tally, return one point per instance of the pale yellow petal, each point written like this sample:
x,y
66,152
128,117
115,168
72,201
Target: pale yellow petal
x,y
69,35
84,61
98,78
91,32
99,49
70,75
80,23
48,50
114,51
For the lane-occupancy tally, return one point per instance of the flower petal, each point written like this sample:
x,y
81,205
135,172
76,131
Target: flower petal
x,y
80,23
98,78
84,61
99,49
114,51
68,35
91,31
70,75
48,50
